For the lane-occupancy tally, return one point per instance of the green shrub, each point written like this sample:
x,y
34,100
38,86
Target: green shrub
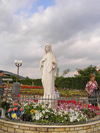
x,y
69,82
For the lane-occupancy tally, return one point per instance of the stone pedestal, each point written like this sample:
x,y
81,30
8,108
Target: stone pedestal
x,y
15,90
50,102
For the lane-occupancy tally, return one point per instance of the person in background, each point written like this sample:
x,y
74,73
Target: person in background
x,y
91,86
2,85
56,92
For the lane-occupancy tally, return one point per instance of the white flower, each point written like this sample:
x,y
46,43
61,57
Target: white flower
x,y
71,119
78,119
82,115
65,112
26,104
33,117
37,117
65,118
46,116
43,112
47,111
43,106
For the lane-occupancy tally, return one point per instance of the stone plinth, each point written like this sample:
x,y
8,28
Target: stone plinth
x,y
15,89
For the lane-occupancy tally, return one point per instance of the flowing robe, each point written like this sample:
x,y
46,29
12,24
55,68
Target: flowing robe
x,y
48,67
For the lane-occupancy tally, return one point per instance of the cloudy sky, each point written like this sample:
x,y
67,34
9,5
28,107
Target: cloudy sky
x,y
71,26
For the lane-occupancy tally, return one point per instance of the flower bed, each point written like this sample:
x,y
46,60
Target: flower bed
x,y
71,93
38,90
31,87
65,112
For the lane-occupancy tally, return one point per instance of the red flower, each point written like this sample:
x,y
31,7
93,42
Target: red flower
x,y
96,108
9,110
18,95
90,106
15,104
15,109
58,101
21,109
35,100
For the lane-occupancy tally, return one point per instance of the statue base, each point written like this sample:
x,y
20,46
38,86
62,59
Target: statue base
x,y
51,103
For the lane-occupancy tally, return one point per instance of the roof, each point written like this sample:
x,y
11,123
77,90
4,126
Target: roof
x,y
6,73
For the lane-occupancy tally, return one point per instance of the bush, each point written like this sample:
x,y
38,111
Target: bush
x,y
69,82
73,82
37,82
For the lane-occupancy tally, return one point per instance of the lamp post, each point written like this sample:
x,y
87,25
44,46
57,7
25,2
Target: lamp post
x,y
18,63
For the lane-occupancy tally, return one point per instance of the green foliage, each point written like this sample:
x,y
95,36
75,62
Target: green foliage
x,y
57,72
73,82
89,70
69,82
27,109
5,105
37,82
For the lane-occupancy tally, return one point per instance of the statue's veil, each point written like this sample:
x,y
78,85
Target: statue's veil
x,y
49,45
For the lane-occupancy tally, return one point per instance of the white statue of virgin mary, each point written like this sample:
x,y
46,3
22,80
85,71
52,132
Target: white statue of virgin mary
x,y
48,67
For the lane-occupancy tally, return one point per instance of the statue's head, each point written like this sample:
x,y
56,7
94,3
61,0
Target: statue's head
x,y
48,48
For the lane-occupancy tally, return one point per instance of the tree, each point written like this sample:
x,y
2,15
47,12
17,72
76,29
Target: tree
x,y
64,72
27,77
89,70
57,72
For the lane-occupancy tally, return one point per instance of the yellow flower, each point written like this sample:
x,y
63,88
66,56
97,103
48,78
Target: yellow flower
x,y
14,115
32,111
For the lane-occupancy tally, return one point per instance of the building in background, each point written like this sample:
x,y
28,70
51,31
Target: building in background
x,y
9,76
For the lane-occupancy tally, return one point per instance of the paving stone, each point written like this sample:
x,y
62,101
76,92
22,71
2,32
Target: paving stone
x,y
41,129
51,129
33,128
11,130
24,127
78,128
28,131
59,129
8,125
90,130
15,126
82,131
18,131
72,129
67,129
4,128
2,131
86,127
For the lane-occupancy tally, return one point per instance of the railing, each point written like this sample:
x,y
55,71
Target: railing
x,y
33,108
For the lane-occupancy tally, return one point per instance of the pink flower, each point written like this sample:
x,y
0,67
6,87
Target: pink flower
x,y
85,115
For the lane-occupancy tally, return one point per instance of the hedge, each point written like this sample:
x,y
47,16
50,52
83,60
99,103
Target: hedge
x,y
37,82
69,82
